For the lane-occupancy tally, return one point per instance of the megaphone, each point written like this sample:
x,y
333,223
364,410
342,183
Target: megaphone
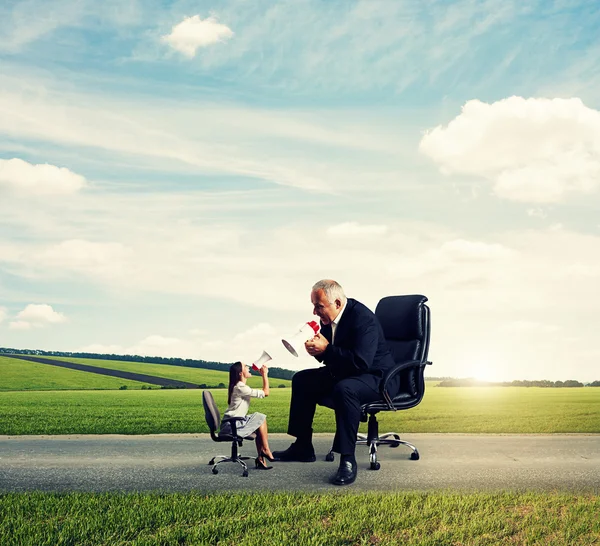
x,y
306,332
265,357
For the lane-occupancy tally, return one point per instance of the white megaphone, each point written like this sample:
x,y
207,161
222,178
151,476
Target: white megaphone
x,y
306,332
258,364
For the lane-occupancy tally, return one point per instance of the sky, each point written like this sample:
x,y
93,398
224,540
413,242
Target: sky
x,y
175,176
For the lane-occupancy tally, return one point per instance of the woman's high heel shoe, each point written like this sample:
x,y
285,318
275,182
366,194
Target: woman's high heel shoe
x,y
265,456
260,465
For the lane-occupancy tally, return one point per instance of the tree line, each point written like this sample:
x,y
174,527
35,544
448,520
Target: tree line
x,y
281,373
469,382
278,373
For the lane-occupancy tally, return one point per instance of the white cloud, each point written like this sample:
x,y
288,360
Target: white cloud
x,y
157,345
475,286
462,250
582,270
537,212
97,259
282,147
533,150
3,314
353,229
153,345
99,348
44,179
193,33
367,45
198,332
246,346
19,325
37,316
259,330
530,327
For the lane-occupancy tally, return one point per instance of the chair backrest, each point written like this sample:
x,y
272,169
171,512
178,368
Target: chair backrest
x,y
211,413
406,325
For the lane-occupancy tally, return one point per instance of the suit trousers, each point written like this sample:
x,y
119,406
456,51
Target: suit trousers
x,y
318,386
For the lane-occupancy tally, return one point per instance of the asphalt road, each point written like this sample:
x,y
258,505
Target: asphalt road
x,y
169,463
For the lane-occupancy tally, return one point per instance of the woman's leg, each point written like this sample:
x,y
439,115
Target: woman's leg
x,y
262,442
258,441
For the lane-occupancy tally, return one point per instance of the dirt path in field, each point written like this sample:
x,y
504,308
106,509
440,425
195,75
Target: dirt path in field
x,y
152,379
178,462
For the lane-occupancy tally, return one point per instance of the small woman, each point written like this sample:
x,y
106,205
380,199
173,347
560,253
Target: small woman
x,y
239,403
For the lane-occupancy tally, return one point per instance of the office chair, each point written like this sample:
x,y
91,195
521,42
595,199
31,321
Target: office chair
x,y
406,326
213,420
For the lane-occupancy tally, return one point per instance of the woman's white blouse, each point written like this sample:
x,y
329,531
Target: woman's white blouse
x,y
240,400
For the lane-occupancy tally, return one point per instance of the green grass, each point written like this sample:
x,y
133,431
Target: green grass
x,y
21,375
466,410
432,519
121,412
502,410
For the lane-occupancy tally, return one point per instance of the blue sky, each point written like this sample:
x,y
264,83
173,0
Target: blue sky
x,y
174,176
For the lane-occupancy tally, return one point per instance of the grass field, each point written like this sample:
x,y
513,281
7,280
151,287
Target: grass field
x,y
18,375
432,519
181,373
21,375
457,409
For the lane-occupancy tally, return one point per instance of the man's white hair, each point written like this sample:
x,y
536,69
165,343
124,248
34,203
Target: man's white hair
x,y
333,290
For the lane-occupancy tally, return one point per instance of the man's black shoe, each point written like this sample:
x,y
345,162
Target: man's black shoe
x,y
296,453
346,473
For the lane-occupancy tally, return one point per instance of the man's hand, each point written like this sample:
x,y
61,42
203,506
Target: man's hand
x,y
264,371
316,346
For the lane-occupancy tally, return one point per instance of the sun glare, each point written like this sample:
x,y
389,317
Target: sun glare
x,y
486,368
490,375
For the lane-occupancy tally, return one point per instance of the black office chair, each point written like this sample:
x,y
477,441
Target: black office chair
x,y
213,420
406,325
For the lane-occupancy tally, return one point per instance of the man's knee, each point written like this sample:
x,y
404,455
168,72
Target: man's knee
x,y
302,379
344,393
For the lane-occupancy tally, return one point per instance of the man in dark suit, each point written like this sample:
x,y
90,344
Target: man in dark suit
x,y
352,346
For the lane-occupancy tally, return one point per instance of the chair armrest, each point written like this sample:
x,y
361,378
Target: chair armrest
x,y
392,372
232,419
233,422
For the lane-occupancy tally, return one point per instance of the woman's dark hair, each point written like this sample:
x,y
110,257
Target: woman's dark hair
x,y
234,376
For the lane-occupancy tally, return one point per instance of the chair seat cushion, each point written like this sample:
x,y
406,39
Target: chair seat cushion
x,y
403,400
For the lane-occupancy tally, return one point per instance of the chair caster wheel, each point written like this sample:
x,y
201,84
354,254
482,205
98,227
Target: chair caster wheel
x,y
330,457
212,461
414,456
395,444
375,466
245,474
215,470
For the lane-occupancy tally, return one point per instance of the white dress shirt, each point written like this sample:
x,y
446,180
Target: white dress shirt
x,y
334,323
240,400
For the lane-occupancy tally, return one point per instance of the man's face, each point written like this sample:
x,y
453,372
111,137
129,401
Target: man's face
x,y
323,308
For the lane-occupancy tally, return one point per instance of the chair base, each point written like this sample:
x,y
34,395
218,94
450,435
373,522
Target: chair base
x,y
225,459
235,457
373,440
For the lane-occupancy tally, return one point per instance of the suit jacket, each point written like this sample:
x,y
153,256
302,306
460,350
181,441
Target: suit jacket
x,y
360,346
